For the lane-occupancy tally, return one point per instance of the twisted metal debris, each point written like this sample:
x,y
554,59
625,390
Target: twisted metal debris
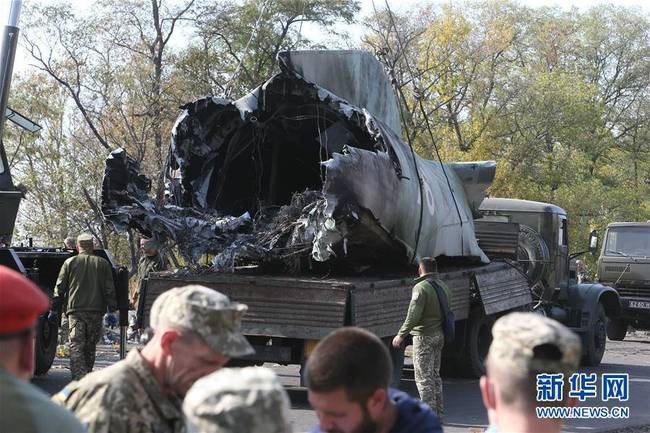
x,y
365,203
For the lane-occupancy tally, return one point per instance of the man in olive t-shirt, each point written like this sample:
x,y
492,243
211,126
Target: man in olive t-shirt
x,y
424,322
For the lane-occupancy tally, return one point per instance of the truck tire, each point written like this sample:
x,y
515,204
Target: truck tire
x,y
479,338
47,335
595,338
616,329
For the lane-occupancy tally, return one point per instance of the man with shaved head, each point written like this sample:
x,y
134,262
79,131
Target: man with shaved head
x,y
525,345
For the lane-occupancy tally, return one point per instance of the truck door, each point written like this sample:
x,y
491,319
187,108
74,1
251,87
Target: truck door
x,y
562,251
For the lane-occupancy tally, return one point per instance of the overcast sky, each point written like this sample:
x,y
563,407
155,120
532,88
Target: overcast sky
x,y
355,31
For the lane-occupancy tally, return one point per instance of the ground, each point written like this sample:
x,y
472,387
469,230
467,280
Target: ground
x,y
465,412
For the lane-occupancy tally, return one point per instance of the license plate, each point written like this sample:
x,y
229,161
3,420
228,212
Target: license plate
x,y
640,304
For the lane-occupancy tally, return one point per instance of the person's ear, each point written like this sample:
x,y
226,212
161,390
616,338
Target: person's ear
x,y
377,402
487,392
26,356
167,339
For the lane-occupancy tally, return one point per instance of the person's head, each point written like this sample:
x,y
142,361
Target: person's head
x,y
523,346
69,243
149,247
580,265
237,400
85,243
21,302
427,265
347,376
196,331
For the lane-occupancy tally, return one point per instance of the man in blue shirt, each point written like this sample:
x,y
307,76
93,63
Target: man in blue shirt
x,y
347,380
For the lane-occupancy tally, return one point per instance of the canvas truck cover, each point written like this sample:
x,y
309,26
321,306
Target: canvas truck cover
x,y
315,151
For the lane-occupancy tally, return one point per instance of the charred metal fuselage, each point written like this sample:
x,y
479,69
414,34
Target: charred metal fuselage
x,y
382,202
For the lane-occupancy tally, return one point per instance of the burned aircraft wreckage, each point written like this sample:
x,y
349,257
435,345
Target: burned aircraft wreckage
x,y
309,167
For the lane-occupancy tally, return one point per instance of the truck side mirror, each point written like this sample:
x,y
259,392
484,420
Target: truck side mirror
x,y
593,242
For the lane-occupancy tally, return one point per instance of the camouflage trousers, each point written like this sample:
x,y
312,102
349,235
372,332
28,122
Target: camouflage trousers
x,y
85,332
427,351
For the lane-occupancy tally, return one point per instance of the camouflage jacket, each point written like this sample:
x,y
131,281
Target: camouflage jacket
x,y
149,264
87,281
123,398
146,265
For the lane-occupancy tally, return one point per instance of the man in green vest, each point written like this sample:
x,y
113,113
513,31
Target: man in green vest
x,y
424,322
23,407
85,288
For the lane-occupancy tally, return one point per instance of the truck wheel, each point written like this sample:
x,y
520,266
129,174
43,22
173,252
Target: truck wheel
x,y
478,342
596,338
45,347
616,329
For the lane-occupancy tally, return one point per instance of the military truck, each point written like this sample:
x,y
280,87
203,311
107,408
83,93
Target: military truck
x,y
528,246
329,127
624,264
41,265
543,252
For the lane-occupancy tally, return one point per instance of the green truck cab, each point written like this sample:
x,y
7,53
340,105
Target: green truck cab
x,y
624,264
544,255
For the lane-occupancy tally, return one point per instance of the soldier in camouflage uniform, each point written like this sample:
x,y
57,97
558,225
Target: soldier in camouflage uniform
x,y
523,346
85,288
150,261
196,331
256,402
424,322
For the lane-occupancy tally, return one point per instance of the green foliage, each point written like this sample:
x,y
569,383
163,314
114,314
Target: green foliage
x,y
558,98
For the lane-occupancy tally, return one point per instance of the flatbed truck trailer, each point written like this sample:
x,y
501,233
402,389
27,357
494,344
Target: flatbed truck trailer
x,y
527,243
288,314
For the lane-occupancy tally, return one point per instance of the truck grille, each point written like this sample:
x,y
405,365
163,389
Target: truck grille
x,y
634,292
617,269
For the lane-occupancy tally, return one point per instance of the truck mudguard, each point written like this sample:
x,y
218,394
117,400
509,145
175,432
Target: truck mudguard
x,y
585,297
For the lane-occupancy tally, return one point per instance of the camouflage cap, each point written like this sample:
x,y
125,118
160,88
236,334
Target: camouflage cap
x,y
533,343
237,400
85,241
208,313
85,237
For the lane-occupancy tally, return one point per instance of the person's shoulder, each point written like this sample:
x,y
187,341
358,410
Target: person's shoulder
x,y
414,416
100,261
422,285
58,418
101,387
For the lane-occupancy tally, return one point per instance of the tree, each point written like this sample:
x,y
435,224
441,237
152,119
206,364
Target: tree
x,y
237,44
